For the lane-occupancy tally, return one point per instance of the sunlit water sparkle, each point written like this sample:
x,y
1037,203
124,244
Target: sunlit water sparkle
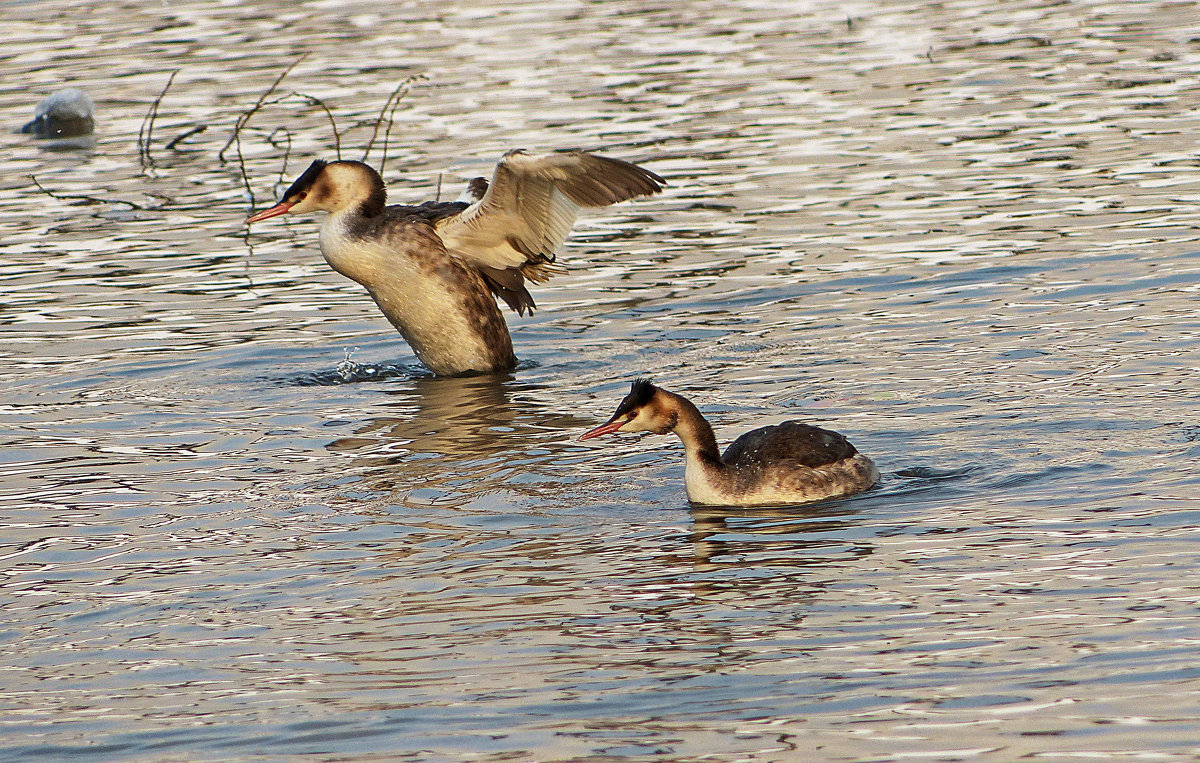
x,y
239,521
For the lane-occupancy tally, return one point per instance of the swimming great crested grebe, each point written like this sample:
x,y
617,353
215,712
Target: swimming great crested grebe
x,y
433,268
787,463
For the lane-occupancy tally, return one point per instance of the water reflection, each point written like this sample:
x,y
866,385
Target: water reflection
x,y
461,434
758,537
977,253
455,417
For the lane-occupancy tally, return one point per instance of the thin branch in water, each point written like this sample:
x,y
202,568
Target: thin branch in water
x,y
379,120
277,99
287,152
244,118
184,136
438,196
237,141
392,102
387,135
147,128
80,196
154,115
236,138
312,100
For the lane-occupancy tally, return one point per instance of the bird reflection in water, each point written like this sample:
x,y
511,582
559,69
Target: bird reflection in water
x,y
467,435
774,537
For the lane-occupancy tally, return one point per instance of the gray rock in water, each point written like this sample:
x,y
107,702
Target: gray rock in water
x,y
65,114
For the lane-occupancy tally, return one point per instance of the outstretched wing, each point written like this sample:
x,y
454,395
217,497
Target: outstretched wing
x,y
531,204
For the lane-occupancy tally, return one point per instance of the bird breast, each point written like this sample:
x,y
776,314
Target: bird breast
x,y
442,309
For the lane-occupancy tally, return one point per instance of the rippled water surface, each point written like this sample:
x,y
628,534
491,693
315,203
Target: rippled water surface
x,y
240,522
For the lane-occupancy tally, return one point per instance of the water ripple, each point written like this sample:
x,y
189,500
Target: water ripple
x,y
964,235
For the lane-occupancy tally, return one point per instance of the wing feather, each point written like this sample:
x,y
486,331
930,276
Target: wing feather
x,y
532,202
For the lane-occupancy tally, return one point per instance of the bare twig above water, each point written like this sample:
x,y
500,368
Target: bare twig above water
x,y
312,100
262,99
283,135
185,135
146,131
389,109
1033,39
287,151
81,196
236,138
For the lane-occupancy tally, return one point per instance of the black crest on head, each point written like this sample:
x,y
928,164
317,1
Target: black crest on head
x,y
305,181
639,394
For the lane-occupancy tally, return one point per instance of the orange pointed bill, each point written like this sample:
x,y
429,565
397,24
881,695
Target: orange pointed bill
x,y
275,211
608,428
